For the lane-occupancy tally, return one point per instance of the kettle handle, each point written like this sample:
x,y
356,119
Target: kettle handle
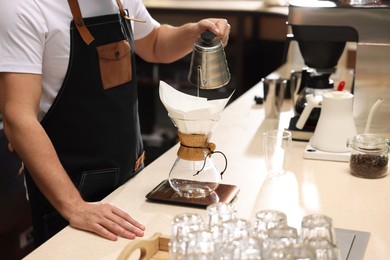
x,y
311,103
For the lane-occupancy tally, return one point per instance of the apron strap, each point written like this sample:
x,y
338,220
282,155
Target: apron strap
x,y
139,161
79,22
124,13
121,9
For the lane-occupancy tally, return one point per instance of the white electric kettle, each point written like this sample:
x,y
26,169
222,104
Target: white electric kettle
x,y
335,124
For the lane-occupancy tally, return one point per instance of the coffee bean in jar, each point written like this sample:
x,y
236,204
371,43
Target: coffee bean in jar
x,y
369,156
368,165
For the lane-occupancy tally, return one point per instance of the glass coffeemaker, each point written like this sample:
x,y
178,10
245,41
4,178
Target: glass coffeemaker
x,y
194,173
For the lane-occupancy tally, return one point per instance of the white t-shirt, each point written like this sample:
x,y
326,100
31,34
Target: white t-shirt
x,y
35,38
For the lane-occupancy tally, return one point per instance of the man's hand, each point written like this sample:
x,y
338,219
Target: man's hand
x,y
168,43
106,220
220,27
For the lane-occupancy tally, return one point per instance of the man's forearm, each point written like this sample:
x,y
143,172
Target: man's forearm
x,y
174,43
35,149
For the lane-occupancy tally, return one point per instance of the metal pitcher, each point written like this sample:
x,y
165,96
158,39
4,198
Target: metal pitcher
x,y
209,68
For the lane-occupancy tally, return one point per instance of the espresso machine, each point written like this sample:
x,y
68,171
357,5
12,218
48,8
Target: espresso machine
x,y
358,30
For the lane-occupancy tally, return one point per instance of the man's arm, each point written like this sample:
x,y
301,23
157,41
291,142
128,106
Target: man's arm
x,y
19,102
167,43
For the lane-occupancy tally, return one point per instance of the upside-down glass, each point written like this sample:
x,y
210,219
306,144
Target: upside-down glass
x,y
279,237
229,231
324,249
220,212
235,228
267,219
276,146
182,226
317,225
200,245
244,248
298,251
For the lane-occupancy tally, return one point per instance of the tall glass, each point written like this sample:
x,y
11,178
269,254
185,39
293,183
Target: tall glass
x,y
276,146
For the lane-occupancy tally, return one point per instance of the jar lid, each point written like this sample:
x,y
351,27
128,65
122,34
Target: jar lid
x,y
369,143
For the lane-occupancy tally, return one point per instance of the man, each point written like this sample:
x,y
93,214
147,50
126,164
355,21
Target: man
x,y
68,98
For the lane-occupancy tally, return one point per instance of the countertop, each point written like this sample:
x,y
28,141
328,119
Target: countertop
x,y
252,6
311,186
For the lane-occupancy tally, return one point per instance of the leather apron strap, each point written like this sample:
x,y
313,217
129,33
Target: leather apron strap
x,y
124,14
121,9
79,21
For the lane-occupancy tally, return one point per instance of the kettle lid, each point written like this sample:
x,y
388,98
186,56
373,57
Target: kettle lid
x,y
208,42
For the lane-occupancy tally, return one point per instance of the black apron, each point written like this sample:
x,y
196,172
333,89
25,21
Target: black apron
x,y
93,122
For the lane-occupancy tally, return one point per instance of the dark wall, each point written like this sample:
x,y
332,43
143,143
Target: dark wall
x,y
15,217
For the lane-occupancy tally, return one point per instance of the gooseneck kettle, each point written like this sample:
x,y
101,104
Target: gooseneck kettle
x,y
209,68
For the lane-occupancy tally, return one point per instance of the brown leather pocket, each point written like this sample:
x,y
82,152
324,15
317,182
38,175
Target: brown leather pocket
x,y
115,63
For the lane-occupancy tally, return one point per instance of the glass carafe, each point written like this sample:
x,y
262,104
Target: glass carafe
x,y
194,174
315,83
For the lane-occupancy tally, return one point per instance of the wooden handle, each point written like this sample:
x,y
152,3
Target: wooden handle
x,y
148,247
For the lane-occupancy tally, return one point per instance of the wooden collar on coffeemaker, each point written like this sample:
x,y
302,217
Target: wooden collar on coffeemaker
x,y
194,147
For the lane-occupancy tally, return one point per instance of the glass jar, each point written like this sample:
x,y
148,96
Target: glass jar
x,y
369,155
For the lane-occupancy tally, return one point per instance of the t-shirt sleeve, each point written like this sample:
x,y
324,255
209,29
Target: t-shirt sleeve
x,y
138,10
22,37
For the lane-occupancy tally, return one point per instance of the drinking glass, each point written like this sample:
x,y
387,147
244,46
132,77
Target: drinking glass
x,y
243,248
220,212
279,237
182,226
227,232
267,219
298,251
235,228
200,245
317,225
276,146
324,249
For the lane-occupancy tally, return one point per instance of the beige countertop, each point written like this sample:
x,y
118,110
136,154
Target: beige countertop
x,y
313,186
217,5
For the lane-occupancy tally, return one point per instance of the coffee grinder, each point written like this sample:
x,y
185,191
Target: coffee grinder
x,y
324,30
